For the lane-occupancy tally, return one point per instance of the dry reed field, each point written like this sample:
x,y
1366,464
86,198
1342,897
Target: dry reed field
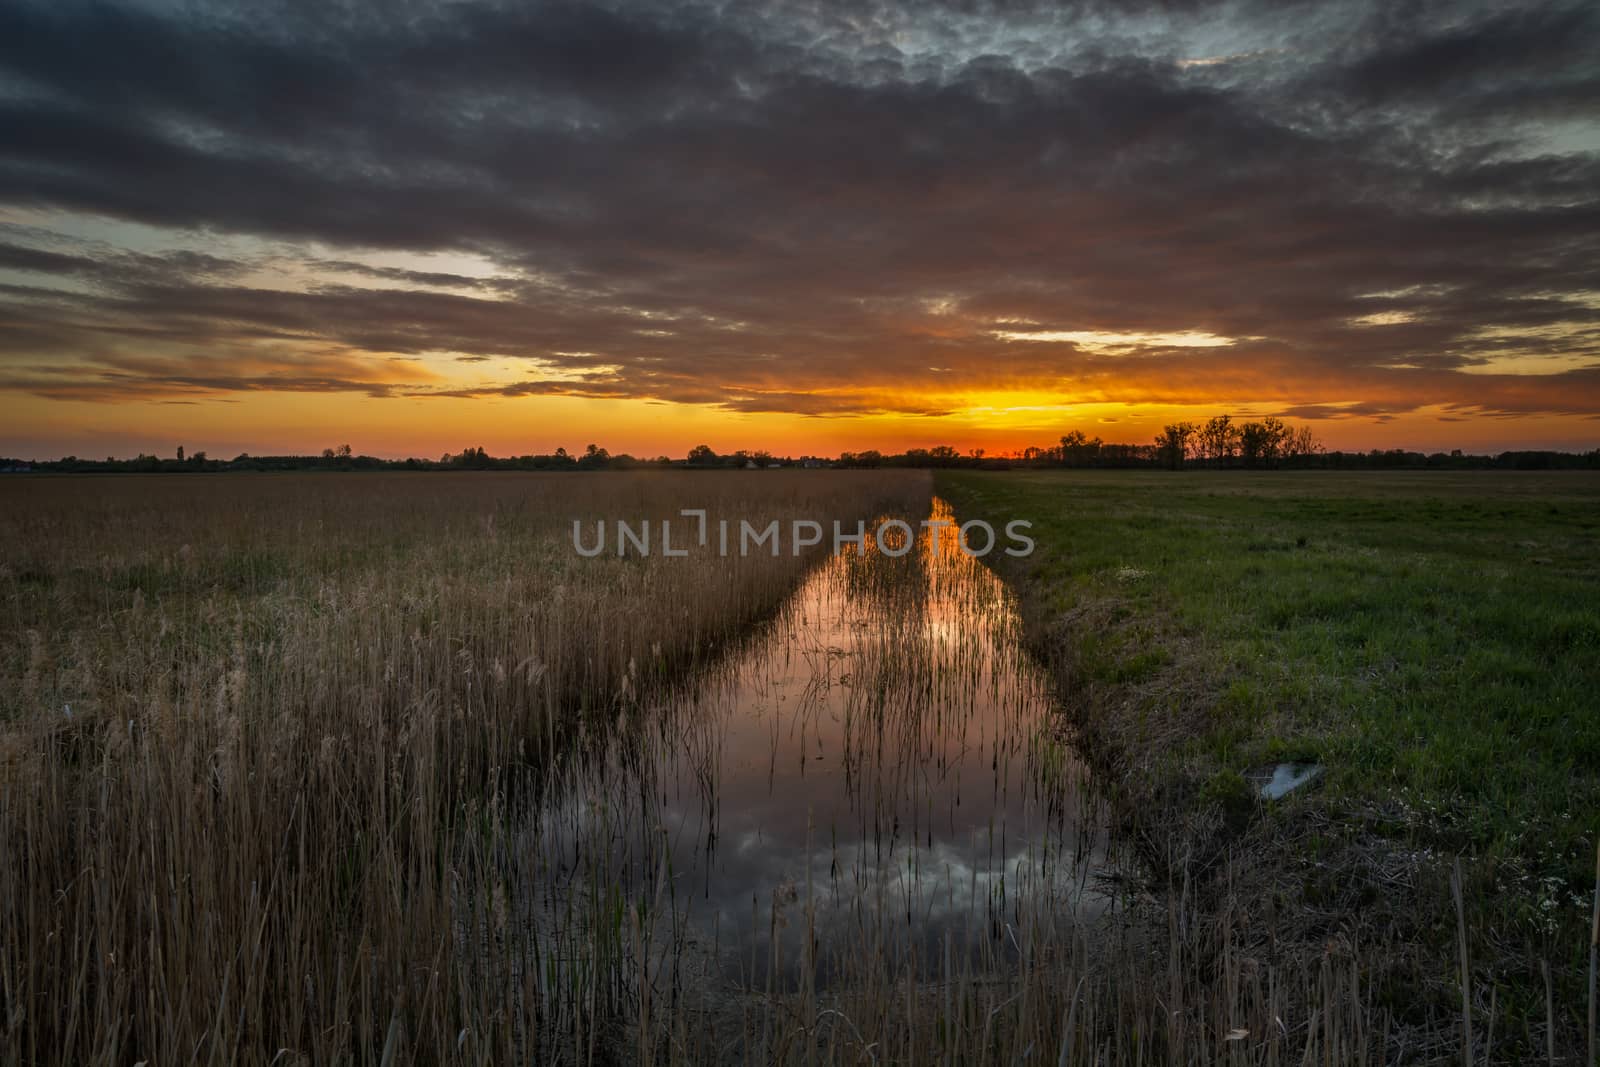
x,y
248,721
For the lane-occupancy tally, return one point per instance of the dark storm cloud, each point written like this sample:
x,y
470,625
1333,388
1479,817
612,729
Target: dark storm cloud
x,y
807,208
1432,55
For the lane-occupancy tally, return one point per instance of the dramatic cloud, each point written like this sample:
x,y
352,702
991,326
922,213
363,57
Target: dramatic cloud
x,y
825,209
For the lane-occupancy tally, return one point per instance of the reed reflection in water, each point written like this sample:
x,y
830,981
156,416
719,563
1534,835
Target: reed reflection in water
x,y
877,773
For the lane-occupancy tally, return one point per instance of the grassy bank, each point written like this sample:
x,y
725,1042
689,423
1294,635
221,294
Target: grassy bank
x,y
1432,640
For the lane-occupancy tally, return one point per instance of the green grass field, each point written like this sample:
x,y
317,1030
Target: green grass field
x,y
1433,639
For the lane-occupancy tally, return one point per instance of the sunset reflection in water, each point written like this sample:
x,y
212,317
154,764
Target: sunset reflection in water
x,y
879,767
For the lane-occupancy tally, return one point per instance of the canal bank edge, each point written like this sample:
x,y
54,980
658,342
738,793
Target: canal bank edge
x,y
1318,873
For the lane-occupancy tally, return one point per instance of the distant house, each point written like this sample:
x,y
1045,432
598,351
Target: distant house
x,y
749,464
811,464
773,466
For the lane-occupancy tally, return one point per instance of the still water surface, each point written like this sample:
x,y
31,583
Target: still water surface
x,y
877,770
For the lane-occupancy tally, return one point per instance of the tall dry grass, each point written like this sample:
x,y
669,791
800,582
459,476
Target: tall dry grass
x,y
250,725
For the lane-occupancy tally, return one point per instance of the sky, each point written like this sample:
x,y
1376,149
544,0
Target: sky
x,y
804,227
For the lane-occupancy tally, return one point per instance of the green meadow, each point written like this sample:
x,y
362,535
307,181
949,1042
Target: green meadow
x,y
1431,640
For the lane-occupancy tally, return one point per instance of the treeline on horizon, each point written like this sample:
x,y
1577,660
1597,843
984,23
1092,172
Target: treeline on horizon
x,y
1219,442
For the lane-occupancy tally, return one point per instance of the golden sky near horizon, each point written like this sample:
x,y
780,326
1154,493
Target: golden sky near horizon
x,y
279,423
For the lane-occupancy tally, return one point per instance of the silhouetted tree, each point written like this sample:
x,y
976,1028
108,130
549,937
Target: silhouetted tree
x,y
1219,439
475,459
1300,443
1261,443
1077,450
1173,443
